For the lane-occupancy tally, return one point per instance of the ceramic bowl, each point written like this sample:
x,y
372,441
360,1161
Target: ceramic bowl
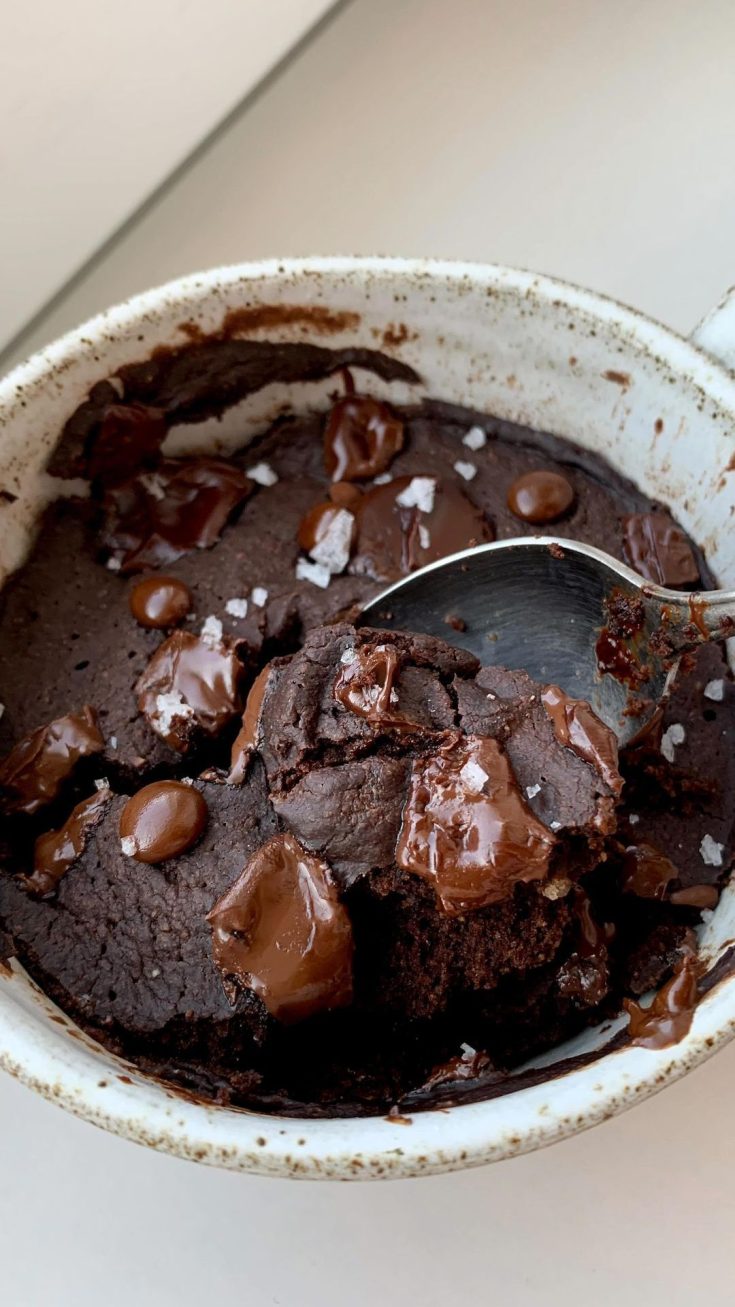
x,y
524,347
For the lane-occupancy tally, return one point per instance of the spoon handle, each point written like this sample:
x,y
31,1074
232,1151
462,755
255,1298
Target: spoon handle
x,y
693,619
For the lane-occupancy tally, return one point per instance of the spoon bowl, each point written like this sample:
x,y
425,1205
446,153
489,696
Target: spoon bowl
x,y
565,612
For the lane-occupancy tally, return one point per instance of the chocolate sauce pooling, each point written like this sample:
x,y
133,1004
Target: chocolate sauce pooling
x,y
247,738
669,1016
157,516
578,728
55,851
160,601
366,686
467,829
361,438
191,686
162,820
282,931
658,549
540,497
392,541
34,771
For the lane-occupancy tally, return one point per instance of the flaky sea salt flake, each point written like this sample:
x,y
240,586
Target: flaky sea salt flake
x,y
711,852
314,572
259,596
533,790
419,493
237,607
170,707
473,777
715,690
211,632
466,470
475,439
332,550
424,536
672,737
383,479
154,484
127,844
263,473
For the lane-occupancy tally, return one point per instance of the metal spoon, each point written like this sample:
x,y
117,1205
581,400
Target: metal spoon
x,y
554,608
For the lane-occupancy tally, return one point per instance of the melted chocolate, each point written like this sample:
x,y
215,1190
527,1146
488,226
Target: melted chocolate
x,y
658,549
184,504
344,494
316,524
190,687
247,738
455,1070
695,896
55,851
578,728
669,1016
282,931
392,541
160,601
35,770
615,659
647,872
162,820
129,438
540,497
366,686
361,438
467,829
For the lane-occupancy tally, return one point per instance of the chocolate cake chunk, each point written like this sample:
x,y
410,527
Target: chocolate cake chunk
x,y
125,945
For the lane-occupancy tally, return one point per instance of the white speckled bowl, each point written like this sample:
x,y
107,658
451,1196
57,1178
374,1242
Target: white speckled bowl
x,y
521,346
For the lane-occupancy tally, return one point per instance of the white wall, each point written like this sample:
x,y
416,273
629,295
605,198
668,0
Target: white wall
x,y
98,102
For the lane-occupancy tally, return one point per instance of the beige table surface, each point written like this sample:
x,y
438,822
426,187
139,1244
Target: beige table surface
x,y
585,138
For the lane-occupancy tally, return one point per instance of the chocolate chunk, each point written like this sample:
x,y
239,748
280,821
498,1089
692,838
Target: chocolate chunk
x,y
247,738
190,688
361,438
668,1018
128,439
467,829
577,727
647,872
56,851
160,601
161,821
282,931
34,772
344,494
327,532
183,505
393,539
366,686
695,896
657,548
540,497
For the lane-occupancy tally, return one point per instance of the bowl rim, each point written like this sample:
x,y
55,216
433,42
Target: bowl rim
x,y
438,1139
